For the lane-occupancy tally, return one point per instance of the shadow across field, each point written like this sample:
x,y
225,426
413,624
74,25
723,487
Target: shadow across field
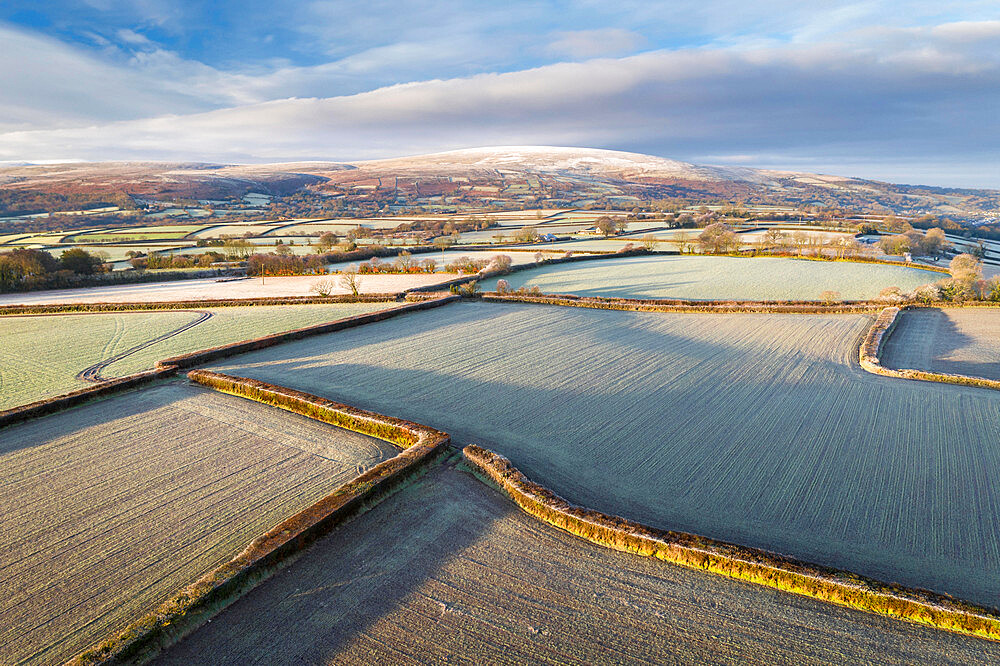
x,y
930,339
773,440
449,570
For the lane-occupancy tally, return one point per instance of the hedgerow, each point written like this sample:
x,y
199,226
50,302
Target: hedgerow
x,y
739,562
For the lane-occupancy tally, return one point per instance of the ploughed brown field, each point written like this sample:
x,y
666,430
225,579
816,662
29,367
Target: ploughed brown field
x,y
108,509
956,341
449,570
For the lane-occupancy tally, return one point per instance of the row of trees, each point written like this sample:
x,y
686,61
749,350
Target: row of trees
x,y
37,269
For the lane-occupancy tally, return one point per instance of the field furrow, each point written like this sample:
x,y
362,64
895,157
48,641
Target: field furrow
x,y
448,570
757,429
107,509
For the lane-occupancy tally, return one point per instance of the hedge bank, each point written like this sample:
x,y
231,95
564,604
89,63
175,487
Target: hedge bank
x,y
168,367
184,611
205,303
734,561
870,355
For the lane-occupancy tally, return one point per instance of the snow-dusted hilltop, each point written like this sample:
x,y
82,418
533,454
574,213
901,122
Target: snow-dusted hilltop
x,y
557,159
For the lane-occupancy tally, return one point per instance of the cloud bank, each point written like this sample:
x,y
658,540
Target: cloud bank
x,y
903,104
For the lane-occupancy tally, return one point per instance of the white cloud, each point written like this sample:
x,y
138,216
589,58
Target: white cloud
x,y
594,43
888,98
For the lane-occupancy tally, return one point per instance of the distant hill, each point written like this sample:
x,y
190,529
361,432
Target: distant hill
x,y
506,177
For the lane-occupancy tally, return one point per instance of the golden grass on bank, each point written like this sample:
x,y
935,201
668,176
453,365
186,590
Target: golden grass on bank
x,y
182,611
871,350
748,564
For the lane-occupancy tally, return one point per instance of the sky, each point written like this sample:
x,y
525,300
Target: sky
x,y
907,92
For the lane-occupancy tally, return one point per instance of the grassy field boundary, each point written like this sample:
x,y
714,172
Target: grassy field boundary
x,y
734,561
168,367
22,310
486,273
194,604
672,305
870,356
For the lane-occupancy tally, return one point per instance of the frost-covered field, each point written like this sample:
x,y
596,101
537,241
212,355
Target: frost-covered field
x,y
449,570
757,429
108,509
41,356
719,278
212,289
960,341
234,324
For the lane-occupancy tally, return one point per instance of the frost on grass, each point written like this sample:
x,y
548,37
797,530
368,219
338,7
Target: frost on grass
x,y
449,569
719,278
950,340
109,508
752,428
41,356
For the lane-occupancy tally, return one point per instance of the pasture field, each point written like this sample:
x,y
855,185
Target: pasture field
x,y
448,570
954,341
311,228
443,259
213,289
592,244
169,232
109,508
118,252
234,324
720,278
218,231
752,428
41,356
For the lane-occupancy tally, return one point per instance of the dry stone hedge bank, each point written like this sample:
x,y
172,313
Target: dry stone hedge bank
x,y
871,351
188,608
734,561
168,367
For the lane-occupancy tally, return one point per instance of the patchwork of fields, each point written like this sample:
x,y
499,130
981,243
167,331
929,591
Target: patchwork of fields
x,y
109,508
757,429
449,570
719,278
950,340
41,355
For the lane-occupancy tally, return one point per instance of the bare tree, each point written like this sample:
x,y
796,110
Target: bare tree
x,y
717,238
323,287
649,241
349,279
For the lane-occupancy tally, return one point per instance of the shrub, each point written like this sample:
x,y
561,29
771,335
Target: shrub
x,y
830,297
323,287
503,286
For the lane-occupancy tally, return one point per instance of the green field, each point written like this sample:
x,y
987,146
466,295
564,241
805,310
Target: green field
x,y
955,341
719,278
450,571
110,508
756,429
42,355
233,324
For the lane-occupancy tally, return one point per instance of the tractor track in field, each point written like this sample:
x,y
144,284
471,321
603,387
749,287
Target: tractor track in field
x,y
93,373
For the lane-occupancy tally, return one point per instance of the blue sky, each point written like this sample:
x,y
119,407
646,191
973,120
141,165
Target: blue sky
x,y
900,91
